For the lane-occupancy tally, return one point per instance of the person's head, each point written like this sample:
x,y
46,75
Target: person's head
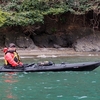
x,y
12,47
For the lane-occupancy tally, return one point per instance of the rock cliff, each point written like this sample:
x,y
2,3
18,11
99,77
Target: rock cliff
x,y
81,32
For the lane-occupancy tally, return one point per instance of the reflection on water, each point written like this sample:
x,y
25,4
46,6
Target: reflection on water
x,y
50,86
9,79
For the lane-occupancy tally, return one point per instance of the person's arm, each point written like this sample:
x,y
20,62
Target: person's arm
x,y
9,58
20,63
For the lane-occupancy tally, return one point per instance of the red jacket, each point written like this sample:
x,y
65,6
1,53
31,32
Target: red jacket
x,y
9,58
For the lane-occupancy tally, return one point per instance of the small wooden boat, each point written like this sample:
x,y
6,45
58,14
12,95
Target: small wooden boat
x,y
84,66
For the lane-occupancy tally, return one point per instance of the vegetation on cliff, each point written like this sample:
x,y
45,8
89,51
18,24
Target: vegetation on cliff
x,y
30,12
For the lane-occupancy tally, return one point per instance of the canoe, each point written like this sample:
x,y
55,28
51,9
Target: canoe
x,y
35,67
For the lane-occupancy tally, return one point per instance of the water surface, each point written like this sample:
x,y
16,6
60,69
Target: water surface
x,y
66,85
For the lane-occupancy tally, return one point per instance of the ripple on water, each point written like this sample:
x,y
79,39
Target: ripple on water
x,y
48,87
15,88
25,72
93,81
82,97
65,79
41,72
21,75
47,96
59,96
58,80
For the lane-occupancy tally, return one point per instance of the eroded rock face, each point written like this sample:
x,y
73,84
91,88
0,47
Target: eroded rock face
x,y
81,39
88,43
10,37
20,40
24,42
56,41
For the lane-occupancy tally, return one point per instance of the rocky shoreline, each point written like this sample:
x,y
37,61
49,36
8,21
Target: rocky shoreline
x,y
52,52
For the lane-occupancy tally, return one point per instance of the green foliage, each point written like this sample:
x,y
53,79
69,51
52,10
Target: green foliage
x,y
54,11
29,12
24,18
2,17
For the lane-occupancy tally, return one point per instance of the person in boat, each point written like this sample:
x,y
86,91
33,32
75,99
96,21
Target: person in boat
x,y
11,57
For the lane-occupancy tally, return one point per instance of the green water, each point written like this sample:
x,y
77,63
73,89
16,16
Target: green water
x,y
66,85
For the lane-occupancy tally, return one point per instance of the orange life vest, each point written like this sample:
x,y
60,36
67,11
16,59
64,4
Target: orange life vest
x,y
15,57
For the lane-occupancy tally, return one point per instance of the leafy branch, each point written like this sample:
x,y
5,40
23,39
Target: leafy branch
x,y
29,12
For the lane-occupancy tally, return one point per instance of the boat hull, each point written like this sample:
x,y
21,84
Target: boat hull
x,y
85,66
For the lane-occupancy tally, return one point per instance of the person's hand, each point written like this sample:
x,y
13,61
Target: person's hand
x,y
19,66
20,63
